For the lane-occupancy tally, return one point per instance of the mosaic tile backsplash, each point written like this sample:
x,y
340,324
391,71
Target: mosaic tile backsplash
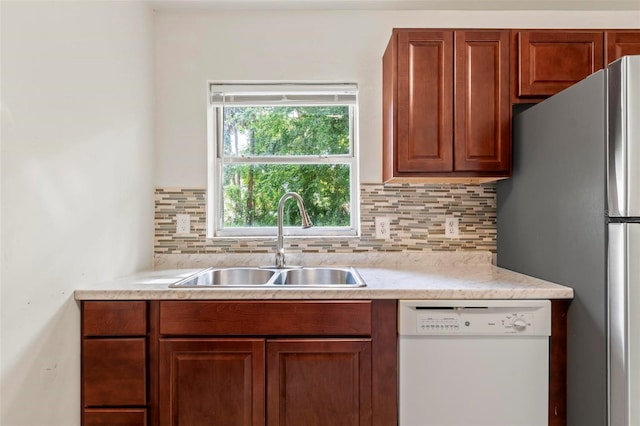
x,y
416,212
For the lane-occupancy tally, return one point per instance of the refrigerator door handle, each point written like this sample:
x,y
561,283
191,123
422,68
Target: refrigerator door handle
x,y
623,153
617,326
623,327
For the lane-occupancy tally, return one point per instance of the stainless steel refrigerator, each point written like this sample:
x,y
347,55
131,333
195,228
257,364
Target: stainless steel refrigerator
x,y
571,214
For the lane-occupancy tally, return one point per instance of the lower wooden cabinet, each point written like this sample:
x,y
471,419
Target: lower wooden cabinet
x,y
212,382
115,371
229,381
319,382
285,363
253,363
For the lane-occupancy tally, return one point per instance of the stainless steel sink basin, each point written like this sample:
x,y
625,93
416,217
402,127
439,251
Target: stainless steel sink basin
x,y
226,277
320,277
266,277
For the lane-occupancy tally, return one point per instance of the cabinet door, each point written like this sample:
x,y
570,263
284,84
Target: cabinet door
x,y
482,104
211,382
315,382
425,103
621,43
551,61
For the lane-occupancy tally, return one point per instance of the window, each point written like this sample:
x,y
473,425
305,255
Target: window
x,y
269,139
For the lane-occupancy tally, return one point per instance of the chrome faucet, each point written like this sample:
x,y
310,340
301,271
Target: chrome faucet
x,y
306,223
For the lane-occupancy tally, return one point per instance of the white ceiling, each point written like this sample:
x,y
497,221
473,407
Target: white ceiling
x,y
400,4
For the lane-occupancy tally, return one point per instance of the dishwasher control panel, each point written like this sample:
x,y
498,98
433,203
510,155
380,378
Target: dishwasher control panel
x,y
473,317
474,322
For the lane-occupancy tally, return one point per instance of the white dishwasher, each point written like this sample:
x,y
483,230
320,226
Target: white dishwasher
x,y
473,363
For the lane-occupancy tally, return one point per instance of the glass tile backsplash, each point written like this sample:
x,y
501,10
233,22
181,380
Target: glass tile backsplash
x,y
416,216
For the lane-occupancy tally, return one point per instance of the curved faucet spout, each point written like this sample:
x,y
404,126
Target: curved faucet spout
x,y
306,223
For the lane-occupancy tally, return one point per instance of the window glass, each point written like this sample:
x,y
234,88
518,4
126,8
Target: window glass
x,y
273,130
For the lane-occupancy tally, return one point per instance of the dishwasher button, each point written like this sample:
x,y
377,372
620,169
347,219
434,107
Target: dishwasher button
x,y
519,324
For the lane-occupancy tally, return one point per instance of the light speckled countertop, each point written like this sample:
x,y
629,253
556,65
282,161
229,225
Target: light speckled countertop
x,y
399,276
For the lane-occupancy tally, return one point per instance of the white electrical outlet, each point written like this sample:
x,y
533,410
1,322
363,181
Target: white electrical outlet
x,y
451,227
382,228
183,224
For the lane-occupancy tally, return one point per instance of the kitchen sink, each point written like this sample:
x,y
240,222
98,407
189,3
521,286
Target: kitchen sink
x,y
267,277
321,277
225,277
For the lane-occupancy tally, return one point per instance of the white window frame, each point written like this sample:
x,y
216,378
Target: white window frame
x,y
298,94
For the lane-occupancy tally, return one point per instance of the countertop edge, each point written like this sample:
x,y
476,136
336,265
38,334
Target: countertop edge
x,y
216,294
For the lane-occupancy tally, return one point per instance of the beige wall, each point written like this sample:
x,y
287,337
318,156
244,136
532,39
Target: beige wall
x,y
77,190
194,46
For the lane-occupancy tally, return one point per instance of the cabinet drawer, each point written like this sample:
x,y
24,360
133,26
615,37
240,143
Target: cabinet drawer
x,y
114,372
114,417
114,318
316,318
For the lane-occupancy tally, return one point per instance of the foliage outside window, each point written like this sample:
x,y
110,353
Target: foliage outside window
x,y
269,139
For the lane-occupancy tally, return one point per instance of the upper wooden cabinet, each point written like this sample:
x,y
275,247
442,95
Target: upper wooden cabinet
x,y
551,61
482,104
446,108
620,43
547,61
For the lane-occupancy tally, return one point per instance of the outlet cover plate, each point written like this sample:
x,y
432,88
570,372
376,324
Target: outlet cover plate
x,y
383,231
183,224
451,227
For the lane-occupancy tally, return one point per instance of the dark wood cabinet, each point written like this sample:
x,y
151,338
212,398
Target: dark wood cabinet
x,y
319,382
546,62
446,109
239,362
277,362
114,363
619,43
212,381
549,61
482,116
422,85
447,94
